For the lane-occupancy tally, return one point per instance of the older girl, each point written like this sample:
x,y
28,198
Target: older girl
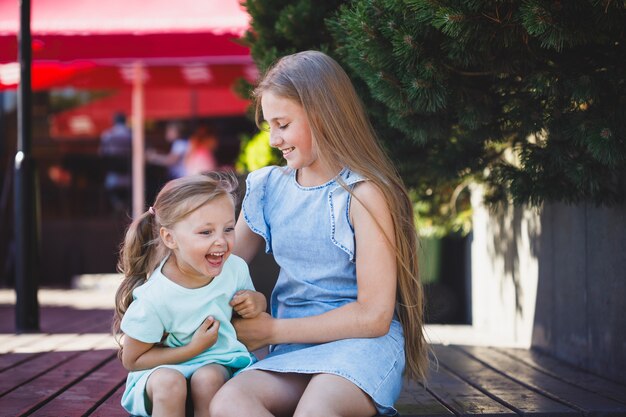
x,y
346,317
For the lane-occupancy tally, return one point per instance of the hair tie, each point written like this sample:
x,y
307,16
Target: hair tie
x,y
151,211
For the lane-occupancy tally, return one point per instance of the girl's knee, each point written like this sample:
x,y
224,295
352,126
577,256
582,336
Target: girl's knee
x,y
168,384
213,376
227,401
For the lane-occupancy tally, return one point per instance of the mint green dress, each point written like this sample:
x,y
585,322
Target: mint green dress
x,y
161,306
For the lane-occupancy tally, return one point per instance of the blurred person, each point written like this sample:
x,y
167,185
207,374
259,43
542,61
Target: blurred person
x,y
174,161
116,146
200,155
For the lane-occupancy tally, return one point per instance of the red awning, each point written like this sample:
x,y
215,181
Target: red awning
x,y
45,75
117,31
93,43
87,75
91,119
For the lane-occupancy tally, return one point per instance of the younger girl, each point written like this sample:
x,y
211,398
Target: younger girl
x,y
176,323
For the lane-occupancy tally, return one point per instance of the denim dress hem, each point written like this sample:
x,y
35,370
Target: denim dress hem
x,y
374,365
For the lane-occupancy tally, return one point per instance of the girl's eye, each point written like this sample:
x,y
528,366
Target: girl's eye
x,y
283,127
206,232
229,229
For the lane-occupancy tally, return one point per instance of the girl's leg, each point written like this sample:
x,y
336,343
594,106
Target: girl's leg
x,y
167,389
333,396
259,394
205,382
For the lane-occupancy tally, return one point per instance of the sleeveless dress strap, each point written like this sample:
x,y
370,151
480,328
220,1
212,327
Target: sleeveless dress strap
x,y
254,204
341,229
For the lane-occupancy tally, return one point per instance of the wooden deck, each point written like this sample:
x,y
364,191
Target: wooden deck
x,y
71,369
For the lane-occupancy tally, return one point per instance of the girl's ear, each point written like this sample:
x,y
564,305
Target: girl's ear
x,y
168,238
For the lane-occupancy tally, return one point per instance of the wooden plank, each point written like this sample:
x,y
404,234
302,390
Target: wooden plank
x,y
88,322
502,389
415,401
56,319
16,349
80,321
462,398
38,364
86,394
111,407
589,403
8,360
50,317
15,377
568,373
90,341
20,340
100,323
23,353
51,343
44,343
42,389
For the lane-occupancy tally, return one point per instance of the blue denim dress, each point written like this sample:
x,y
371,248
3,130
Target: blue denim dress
x,y
308,231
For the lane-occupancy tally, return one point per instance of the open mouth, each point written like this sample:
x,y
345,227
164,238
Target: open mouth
x,y
215,258
287,151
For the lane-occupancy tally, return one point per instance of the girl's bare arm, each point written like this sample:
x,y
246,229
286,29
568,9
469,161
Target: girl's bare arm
x,y
371,314
248,243
137,355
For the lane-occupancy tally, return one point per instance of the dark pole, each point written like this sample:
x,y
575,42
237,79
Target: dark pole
x,y
26,230
3,145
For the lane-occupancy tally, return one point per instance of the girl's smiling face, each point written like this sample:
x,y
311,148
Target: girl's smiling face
x,y
201,243
290,131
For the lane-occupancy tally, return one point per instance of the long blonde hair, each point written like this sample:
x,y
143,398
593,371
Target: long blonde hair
x,y
345,138
143,249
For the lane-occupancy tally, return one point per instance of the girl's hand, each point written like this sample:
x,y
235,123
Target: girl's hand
x,y
138,355
257,332
205,336
248,304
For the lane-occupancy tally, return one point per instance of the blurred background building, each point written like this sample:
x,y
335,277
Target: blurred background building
x,y
157,65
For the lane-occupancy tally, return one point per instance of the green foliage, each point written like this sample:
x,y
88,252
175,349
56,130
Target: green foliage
x,y
443,213
256,153
527,96
471,85
283,27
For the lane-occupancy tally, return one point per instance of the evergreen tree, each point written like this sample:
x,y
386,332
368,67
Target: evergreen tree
x,y
283,27
527,96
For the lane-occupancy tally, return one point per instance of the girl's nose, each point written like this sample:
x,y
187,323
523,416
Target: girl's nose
x,y
275,139
220,240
